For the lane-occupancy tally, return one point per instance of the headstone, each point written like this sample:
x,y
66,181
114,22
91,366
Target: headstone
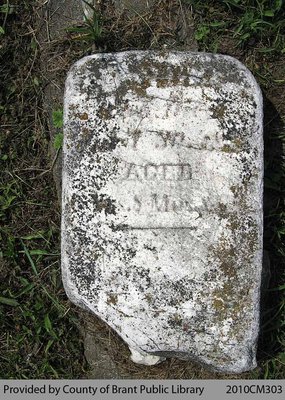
x,y
162,203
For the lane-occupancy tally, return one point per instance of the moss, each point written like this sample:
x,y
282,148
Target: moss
x,y
83,116
222,208
218,304
105,111
225,254
112,299
233,298
238,143
104,203
137,87
218,111
162,83
175,321
149,298
227,149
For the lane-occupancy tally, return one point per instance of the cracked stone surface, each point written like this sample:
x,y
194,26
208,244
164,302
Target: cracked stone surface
x,y
162,202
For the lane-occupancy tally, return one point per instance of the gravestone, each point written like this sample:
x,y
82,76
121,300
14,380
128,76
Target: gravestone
x,y
162,203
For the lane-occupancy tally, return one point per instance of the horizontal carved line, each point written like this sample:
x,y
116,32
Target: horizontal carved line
x,y
158,227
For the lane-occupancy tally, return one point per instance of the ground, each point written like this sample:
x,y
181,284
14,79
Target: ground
x,y
44,334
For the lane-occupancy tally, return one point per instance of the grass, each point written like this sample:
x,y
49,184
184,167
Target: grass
x,y
251,23
91,29
5,9
40,335
57,120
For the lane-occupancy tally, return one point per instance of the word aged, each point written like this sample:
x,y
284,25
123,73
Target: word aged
x,y
158,172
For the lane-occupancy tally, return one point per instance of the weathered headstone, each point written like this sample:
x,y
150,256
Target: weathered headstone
x,y
162,203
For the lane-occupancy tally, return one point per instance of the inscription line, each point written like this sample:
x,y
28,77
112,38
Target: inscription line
x,y
159,227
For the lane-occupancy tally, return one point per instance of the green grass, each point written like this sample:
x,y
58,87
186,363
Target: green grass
x,y
248,22
39,330
90,30
57,120
40,336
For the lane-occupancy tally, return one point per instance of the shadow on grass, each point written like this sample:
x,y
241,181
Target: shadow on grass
x,y
273,269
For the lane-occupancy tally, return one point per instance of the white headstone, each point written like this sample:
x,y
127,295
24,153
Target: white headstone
x,y
162,203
